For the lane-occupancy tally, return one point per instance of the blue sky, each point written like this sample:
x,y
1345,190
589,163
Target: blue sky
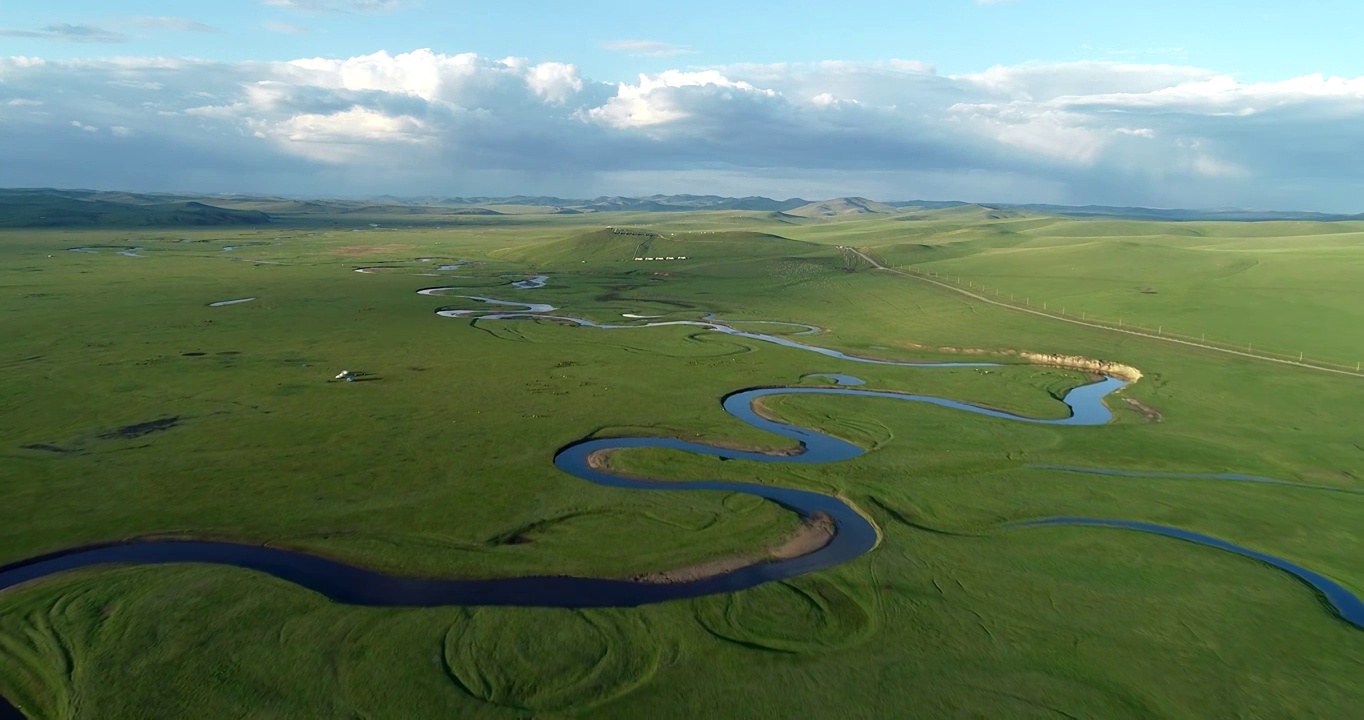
x,y
1048,100
1254,40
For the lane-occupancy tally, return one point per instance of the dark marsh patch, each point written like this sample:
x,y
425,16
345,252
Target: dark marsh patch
x,y
130,432
45,447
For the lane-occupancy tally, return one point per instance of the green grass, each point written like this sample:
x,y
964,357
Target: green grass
x,y
1282,287
434,467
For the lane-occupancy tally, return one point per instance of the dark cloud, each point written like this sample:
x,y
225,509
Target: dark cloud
x,y
425,123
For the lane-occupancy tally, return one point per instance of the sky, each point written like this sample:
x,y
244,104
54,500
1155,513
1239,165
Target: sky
x,y
1215,104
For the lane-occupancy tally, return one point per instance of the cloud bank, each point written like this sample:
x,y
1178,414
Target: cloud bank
x,y
428,123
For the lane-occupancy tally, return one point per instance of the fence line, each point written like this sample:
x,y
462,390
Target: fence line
x,y
973,290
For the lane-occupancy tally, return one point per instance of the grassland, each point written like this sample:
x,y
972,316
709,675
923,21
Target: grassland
x,y
1287,288
436,467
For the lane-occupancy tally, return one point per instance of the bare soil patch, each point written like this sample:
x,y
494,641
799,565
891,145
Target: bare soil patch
x,y
1151,413
814,533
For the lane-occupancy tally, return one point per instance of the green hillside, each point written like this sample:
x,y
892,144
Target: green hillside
x,y
52,210
1280,287
841,207
632,247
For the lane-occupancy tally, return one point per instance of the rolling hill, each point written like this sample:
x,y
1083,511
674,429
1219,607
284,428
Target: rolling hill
x,y
47,207
58,209
672,249
841,207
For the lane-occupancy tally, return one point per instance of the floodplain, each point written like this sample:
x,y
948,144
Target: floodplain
x,y
159,385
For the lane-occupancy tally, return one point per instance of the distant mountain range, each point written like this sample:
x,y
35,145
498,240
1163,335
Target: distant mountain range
x,y
67,208
44,207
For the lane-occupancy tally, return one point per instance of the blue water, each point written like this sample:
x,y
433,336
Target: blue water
x,y
845,380
854,534
540,311
1345,603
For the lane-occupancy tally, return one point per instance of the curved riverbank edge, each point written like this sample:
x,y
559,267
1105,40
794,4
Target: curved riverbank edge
x,y
853,533
1348,606
542,311
813,534
1111,368
1079,362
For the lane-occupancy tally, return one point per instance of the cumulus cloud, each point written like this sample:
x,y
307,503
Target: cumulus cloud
x,y
425,122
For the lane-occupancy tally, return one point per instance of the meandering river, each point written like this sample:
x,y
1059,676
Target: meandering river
x,y
853,534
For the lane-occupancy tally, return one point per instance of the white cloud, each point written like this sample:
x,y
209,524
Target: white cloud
x,y
337,6
656,99
67,32
341,137
423,122
555,82
646,48
174,24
